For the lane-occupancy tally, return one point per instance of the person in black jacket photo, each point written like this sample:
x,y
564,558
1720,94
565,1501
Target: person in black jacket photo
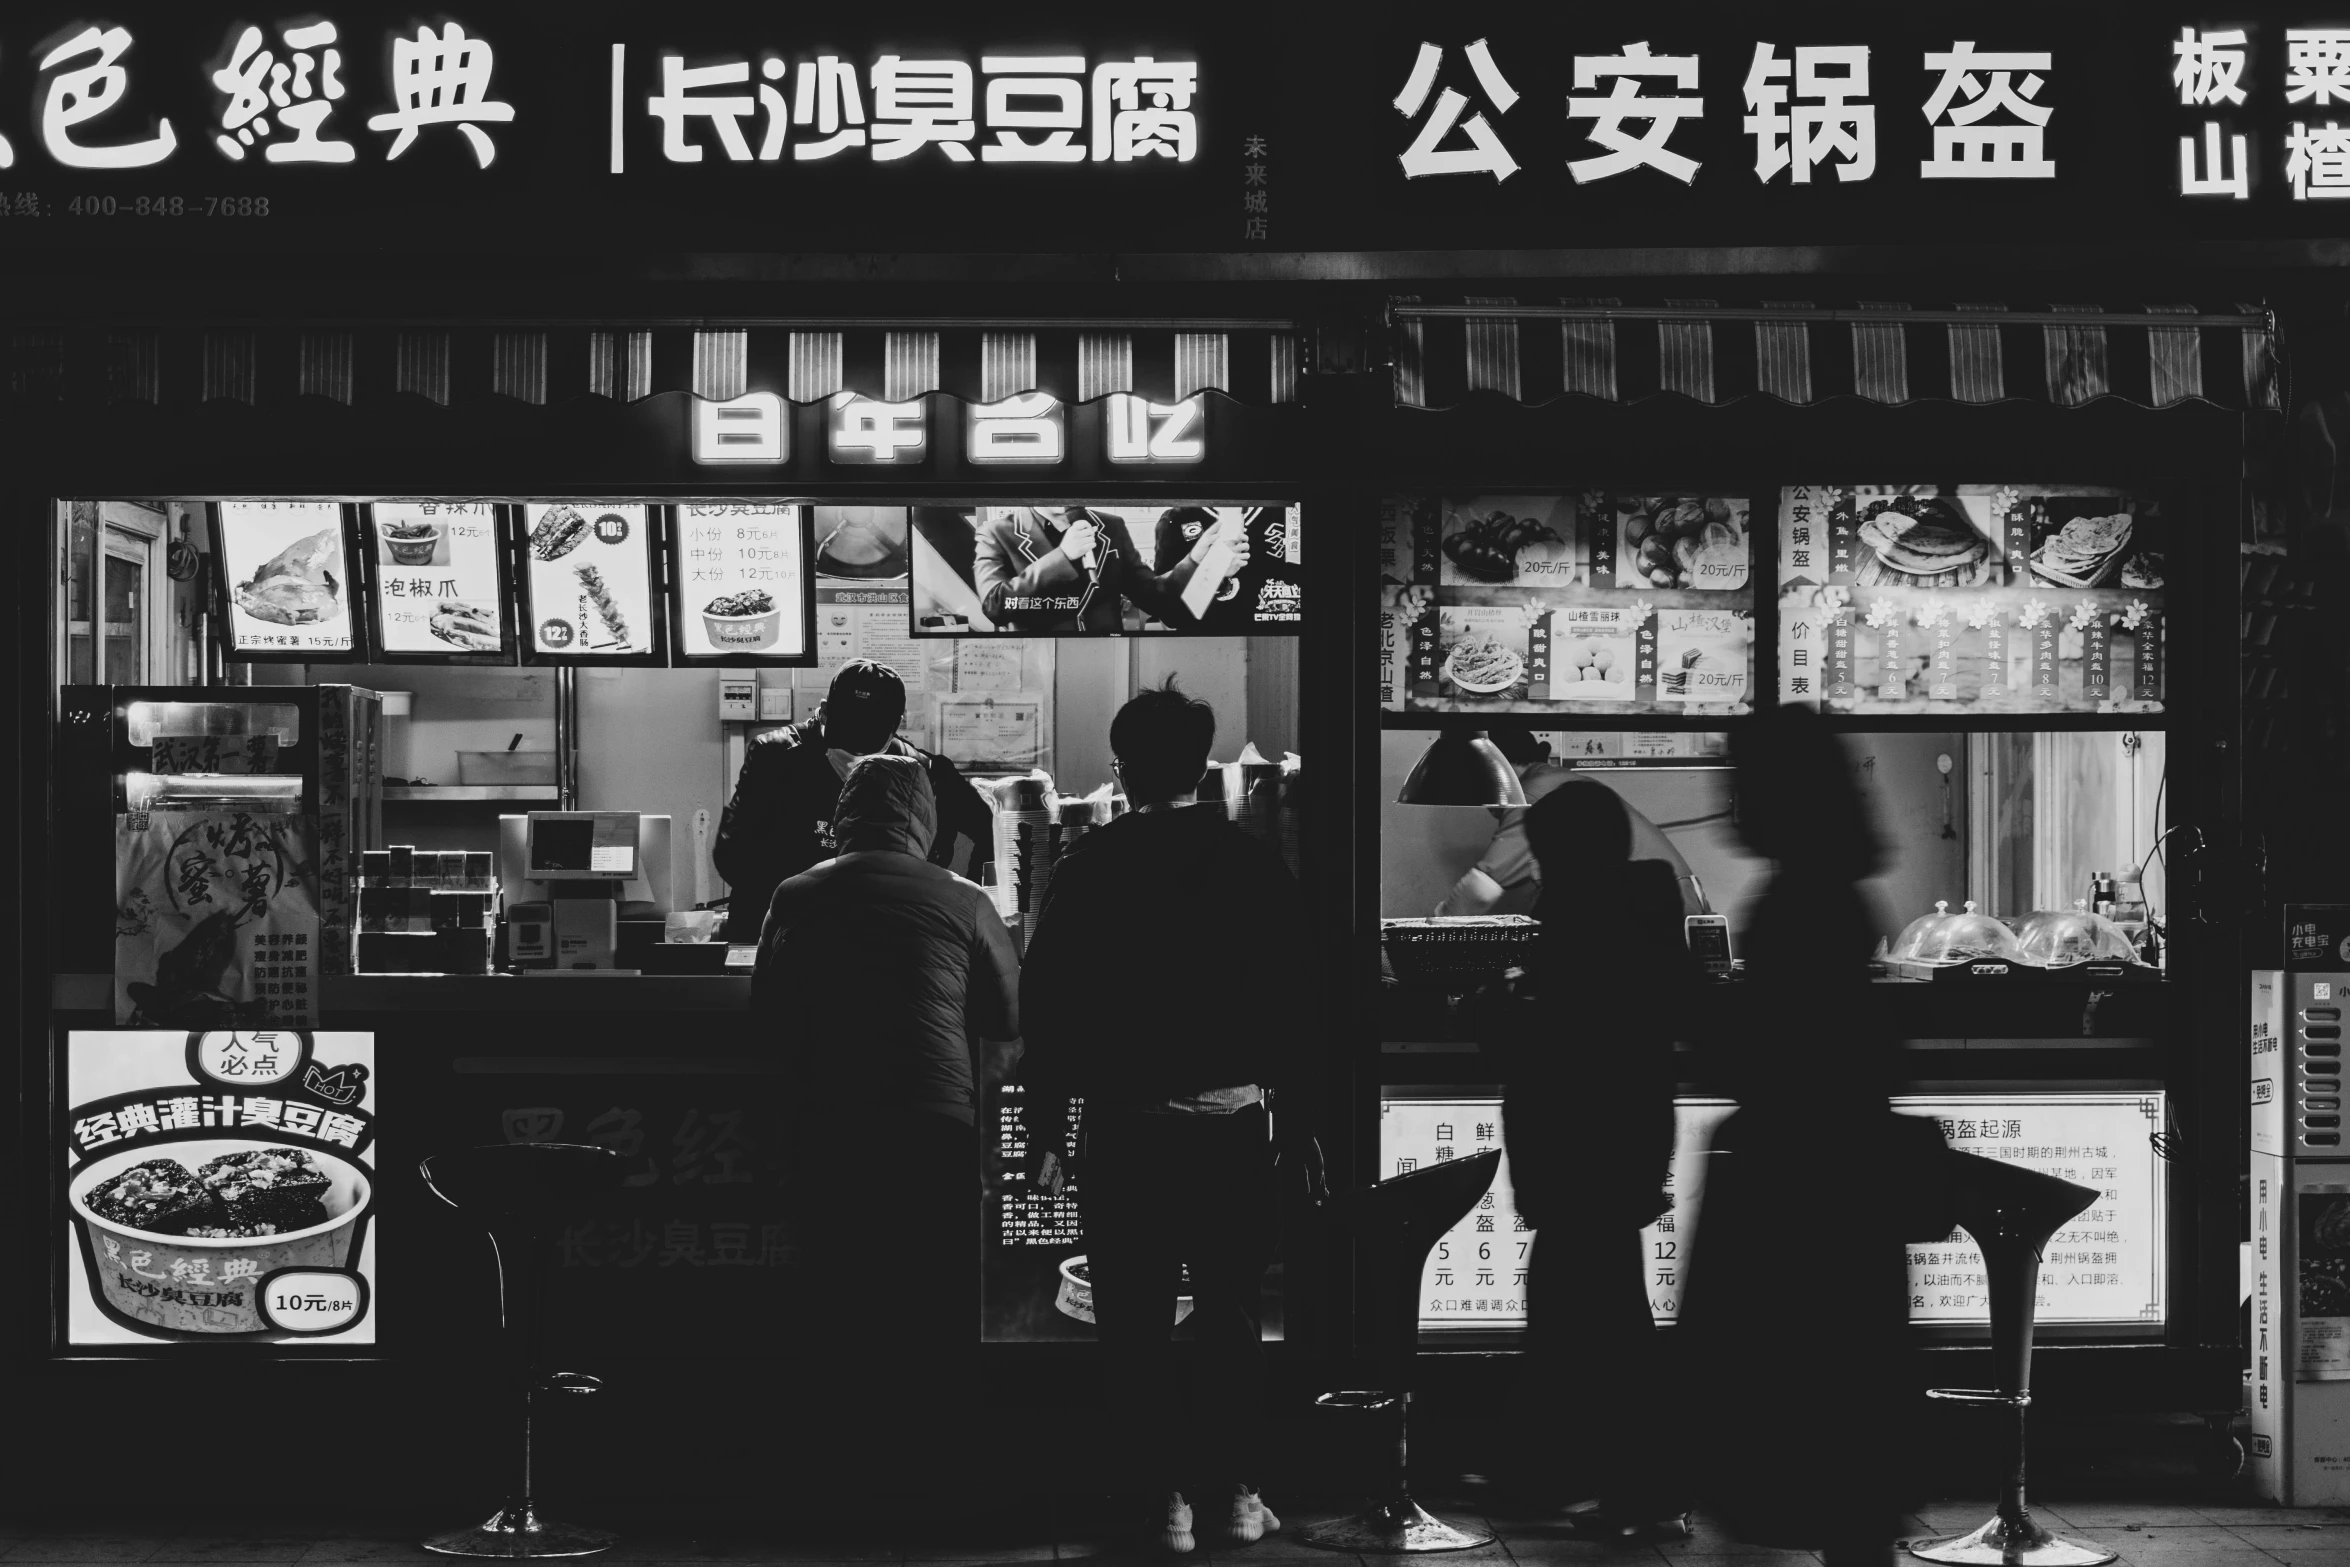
x,y
780,820
1184,1078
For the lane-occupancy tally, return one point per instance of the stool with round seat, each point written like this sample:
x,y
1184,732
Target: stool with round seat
x,y
2011,1212
517,1191
1397,1222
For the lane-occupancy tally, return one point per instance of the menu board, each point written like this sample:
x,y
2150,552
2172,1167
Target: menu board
x,y
2105,1268
1475,1276
285,579
590,580
218,1188
742,583
439,588
1596,602
1036,1284
1971,598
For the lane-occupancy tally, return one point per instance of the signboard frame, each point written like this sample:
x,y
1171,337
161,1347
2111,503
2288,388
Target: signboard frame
x,y
656,588
502,521
222,591
805,656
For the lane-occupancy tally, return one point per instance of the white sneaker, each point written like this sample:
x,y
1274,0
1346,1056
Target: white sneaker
x,y
1251,1519
1177,1533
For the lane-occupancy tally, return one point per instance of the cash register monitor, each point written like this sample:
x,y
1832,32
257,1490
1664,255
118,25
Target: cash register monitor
x,y
581,846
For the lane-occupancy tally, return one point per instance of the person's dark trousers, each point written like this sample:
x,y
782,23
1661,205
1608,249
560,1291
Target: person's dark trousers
x,y
888,1211
1596,1404
1159,1192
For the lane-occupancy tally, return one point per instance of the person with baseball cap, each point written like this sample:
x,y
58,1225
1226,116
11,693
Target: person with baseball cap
x,y
779,822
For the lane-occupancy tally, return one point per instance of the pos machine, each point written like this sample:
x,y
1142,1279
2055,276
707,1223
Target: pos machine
x,y
575,879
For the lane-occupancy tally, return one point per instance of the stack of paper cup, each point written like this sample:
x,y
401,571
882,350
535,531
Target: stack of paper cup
x,y
1026,840
1293,799
1252,793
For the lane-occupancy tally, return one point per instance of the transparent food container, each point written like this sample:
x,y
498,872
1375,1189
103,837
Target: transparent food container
x,y
2061,938
1967,937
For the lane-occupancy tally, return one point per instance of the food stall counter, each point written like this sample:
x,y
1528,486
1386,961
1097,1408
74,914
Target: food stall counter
x,y
350,994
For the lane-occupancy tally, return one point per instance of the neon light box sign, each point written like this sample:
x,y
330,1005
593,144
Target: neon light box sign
x,y
1030,429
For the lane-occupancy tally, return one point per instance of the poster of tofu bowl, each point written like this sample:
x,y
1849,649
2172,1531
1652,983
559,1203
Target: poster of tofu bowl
x,y
218,1188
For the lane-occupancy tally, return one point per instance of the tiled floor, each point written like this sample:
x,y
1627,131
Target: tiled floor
x,y
2146,1535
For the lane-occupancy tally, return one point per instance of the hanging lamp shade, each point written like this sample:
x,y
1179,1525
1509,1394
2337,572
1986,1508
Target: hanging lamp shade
x,y
1462,767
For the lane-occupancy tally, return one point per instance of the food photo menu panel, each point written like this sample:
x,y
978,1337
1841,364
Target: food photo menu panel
x,y
1587,602
1971,598
285,577
439,586
589,569
218,1189
743,585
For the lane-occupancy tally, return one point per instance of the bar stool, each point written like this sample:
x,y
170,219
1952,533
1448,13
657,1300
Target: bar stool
x,y
2011,1212
516,1190
1398,1221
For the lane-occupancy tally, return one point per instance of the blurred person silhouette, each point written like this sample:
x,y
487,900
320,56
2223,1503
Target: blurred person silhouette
x,y
1586,1045
1506,879
1796,1306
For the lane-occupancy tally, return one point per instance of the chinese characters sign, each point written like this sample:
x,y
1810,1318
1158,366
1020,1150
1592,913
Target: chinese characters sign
x,y
286,578
216,919
219,1188
1984,598
590,579
742,582
437,583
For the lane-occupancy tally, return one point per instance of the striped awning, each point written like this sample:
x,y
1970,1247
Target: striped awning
x,y
804,361
1532,351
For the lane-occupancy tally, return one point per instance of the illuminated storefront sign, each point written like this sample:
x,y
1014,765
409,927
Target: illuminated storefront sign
x,y
1028,428
1143,431
864,430
754,428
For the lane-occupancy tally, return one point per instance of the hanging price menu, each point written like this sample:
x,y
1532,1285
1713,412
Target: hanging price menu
x,y
742,582
590,579
2105,1267
436,577
1970,597
286,577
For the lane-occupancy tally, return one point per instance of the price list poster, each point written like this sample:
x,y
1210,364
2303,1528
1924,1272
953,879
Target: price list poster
x,y
1475,1275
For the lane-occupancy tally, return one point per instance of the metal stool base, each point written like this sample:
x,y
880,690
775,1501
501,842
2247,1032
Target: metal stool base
x,y
517,1533
1996,1545
1393,1528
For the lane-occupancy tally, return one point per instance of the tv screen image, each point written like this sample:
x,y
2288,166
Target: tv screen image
x,y
1113,569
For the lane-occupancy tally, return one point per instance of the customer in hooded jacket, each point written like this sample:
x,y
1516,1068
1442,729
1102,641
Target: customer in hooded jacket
x,y
876,971
1192,1078
1586,1050
780,820
1795,1314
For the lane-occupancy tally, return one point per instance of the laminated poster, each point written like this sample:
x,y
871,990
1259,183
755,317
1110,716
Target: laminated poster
x,y
218,1188
436,577
590,578
216,919
2324,1217
287,576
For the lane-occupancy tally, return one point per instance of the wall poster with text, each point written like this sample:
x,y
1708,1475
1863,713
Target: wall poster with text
x,y
1590,602
218,1188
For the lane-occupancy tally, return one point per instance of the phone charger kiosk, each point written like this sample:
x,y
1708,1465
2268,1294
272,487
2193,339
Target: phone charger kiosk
x,y
567,875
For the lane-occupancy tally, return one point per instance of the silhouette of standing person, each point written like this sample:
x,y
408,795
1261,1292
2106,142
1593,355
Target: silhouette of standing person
x,y
1797,1301
1587,1119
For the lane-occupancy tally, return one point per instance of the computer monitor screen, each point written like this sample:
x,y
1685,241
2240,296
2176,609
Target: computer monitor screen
x,y
576,844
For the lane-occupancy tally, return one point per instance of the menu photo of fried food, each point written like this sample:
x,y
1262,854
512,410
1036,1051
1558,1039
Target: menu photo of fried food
x,y
1484,652
2080,541
608,610
296,586
1930,536
559,532
1527,539
467,626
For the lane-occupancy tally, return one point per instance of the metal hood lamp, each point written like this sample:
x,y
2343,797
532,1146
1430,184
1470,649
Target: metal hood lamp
x,y
1462,767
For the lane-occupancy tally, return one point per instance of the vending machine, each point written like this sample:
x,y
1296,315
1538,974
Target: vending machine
x,y
2300,1192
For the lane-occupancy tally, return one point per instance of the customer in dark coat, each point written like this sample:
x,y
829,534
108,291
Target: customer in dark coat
x,y
1190,1062
876,970
1587,1119
1797,1300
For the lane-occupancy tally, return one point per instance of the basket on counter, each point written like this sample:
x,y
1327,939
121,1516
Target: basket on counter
x,y
1459,953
